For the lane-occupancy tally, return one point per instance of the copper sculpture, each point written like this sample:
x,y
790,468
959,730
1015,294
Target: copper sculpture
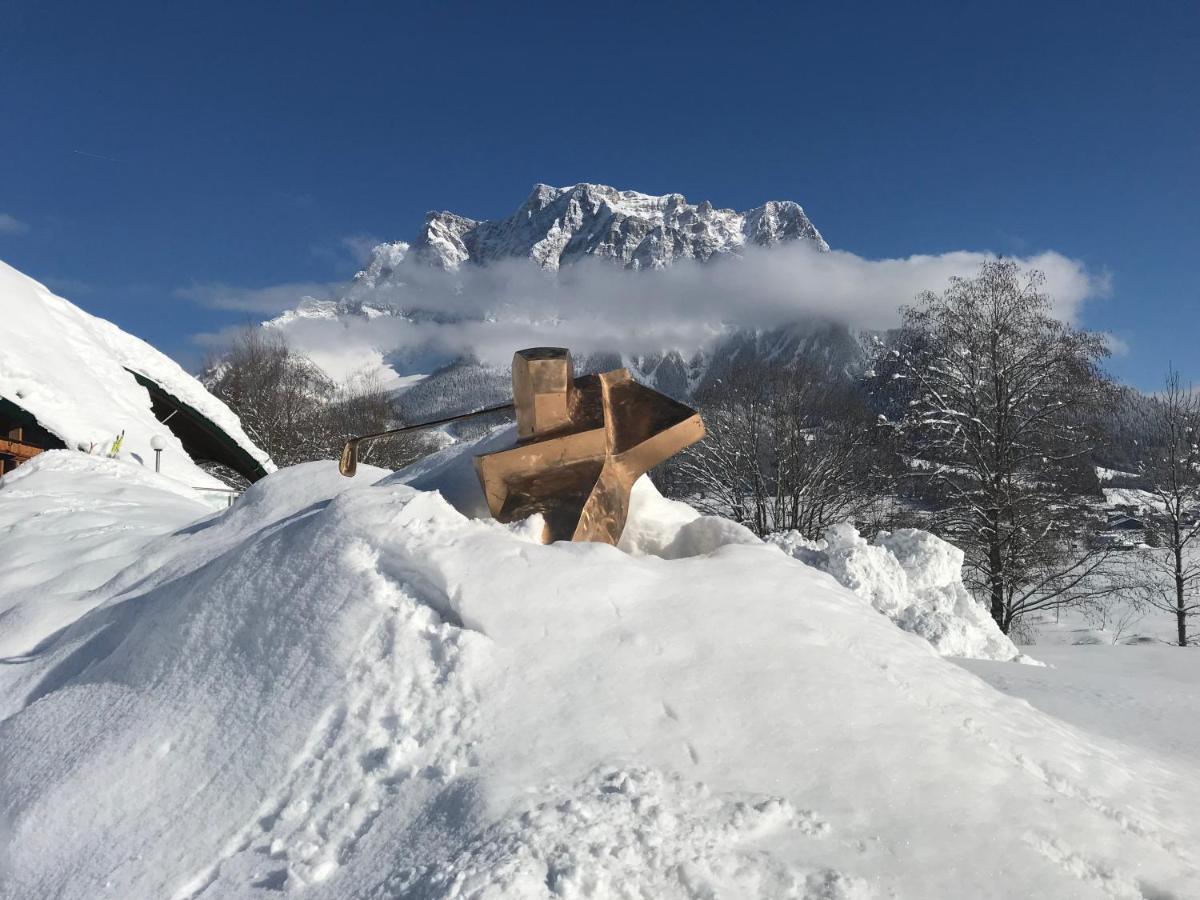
x,y
581,444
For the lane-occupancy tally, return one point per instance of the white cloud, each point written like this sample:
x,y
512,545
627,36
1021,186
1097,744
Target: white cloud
x,y
353,248
360,246
593,305
1117,346
269,300
12,225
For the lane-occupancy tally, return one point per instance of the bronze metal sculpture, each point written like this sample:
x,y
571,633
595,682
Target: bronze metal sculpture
x,y
581,444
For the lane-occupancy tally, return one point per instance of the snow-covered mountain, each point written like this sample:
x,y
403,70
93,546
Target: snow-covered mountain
x,y
557,226
553,229
468,384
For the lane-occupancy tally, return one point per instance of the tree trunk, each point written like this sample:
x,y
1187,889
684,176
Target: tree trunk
x,y
995,571
996,577
1180,606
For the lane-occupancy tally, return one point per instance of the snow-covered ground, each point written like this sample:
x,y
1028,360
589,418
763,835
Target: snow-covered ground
x,y
349,688
1144,696
68,523
1117,621
912,577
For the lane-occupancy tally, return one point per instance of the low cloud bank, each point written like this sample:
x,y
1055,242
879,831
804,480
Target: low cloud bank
x,y
269,300
594,306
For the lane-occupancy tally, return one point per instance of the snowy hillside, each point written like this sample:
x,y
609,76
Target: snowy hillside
x,y
469,384
350,688
73,372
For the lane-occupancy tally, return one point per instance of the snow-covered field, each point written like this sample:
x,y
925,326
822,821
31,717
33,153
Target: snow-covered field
x,y
349,688
1144,696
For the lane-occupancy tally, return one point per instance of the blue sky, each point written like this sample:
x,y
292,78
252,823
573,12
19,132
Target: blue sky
x,y
149,147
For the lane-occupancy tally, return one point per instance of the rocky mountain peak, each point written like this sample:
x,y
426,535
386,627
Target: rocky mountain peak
x,y
556,226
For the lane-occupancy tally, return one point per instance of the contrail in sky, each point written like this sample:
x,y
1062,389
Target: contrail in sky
x,y
95,156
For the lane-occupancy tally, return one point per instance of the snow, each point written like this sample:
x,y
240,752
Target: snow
x,y
1144,696
346,687
556,225
68,369
307,308
1119,619
1103,474
1139,500
657,526
101,512
912,577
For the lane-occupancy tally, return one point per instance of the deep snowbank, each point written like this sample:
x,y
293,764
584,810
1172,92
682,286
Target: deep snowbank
x,y
352,689
68,523
912,577
656,526
67,368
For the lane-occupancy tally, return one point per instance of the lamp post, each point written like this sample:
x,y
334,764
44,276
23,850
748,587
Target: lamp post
x,y
156,444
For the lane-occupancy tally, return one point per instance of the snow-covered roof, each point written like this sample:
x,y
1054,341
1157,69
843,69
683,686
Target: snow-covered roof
x,y
72,372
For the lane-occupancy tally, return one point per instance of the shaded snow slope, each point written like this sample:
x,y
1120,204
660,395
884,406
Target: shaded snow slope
x,y
1143,695
339,688
68,523
68,369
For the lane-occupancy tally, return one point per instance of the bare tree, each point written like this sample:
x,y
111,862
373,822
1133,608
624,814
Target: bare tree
x,y
1171,468
277,394
291,409
991,396
723,474
363,406
1120,612
787,447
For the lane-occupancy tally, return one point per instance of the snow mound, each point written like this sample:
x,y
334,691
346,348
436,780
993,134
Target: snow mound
x,y
627,826
68,523
912,577
69,370
346,687
656,526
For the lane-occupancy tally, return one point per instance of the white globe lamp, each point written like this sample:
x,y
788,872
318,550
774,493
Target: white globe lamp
x,y
157,444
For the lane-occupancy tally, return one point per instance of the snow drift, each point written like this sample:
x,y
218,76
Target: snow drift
x,y
71,370
912,577
68,523
345,688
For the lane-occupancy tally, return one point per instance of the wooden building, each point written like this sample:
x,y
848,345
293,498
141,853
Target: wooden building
x,y
21,437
